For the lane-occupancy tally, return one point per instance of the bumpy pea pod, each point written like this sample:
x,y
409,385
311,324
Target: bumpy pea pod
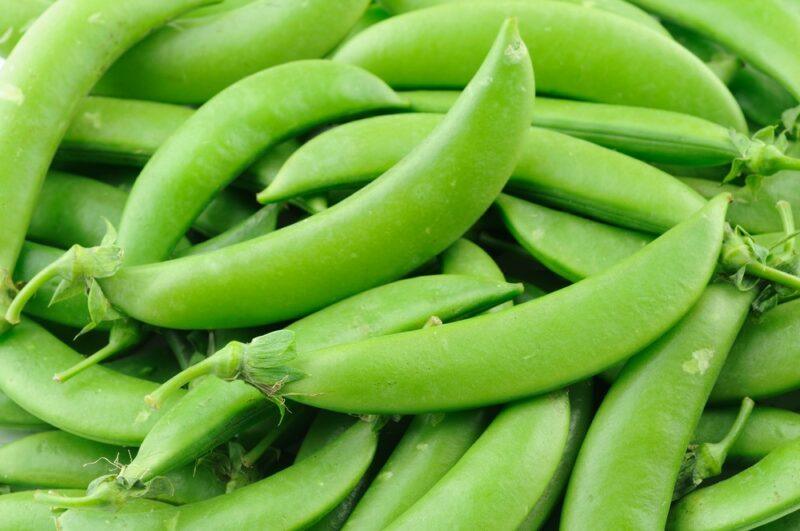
x,y
758,495
573,49
766,430
43,81
500,478
56,459
653,135
764,34
100,404
293,498
602,183
653,406
618,7
415,211
546,343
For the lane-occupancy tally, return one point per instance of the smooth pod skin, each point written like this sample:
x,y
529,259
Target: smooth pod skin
x,y
758,495
13,417
767,428
193,59
240,123
762,33
19,510
570,246
293,498
99,404
16,16
653,135
500,478
574,52
602,183
56,459
415,211
628,464
531,348
41,84
762,362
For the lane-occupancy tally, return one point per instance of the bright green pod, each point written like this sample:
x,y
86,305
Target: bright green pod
x,y
415,211
573,50
19,510
765,34
653,405
767,429
546,343
500,478
602,183
15,418
16,16
293,498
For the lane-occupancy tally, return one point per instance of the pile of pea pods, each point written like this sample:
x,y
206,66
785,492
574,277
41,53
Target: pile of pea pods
x,y
399,264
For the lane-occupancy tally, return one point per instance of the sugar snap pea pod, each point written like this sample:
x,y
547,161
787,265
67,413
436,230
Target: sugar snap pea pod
x,y
763,34
762,99
762,362
653,135
102,405
242,122
16,16
14,417
55,459
293,498
447,367
192,60
653,406
618,7
420,206
499,479
19,510
43,81
262,222
767,429
571,46
758,495
602,183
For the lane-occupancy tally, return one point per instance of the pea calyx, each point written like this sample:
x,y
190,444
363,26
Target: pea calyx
x,y
762,154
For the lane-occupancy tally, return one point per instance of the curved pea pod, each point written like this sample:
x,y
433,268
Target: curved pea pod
x,y
758,495
241,122
19,510
572,48
15,418
102,405
191,60
499,479
653,135
546,343
43,81
16,16
570,246
763,34
762,362
766,430
602,183
618,7
293,498
653,406
56,459
415,210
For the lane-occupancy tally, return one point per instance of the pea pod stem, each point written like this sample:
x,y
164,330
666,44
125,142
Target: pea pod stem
x,y
122,337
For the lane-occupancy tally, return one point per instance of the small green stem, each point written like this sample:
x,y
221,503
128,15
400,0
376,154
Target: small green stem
x,y
157,397
58,500
787,221
105,352
773,275
718,451
785,162
30,289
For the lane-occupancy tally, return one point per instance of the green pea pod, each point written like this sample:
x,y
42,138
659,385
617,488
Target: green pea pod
x,y
762,99
264,221
242,121
762,362
497,482
16,16
293,498
573,49
14,417
767,429
763,33
19,510
99,404
653,135
618,7
653,406
602,183
416,210
547,343
758,495
41,85
56,459
570,246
